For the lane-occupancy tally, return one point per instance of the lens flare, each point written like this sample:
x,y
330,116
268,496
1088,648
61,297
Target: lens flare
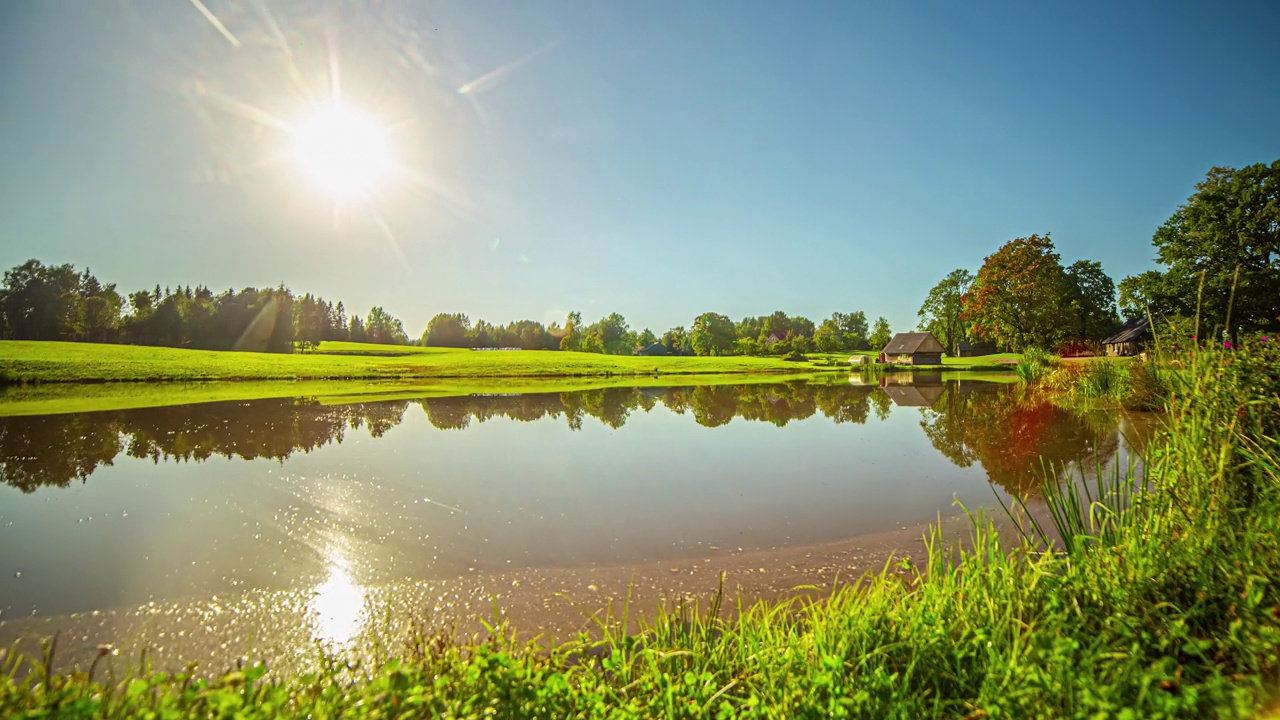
x,y
343,152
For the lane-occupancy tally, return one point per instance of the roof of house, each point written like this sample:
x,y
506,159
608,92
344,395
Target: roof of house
x,y
911,343
1130,331
914,396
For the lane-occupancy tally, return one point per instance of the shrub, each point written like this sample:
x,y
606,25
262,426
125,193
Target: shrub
x,y
1033,364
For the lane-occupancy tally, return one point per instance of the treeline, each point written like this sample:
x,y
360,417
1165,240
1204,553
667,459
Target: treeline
x,y
1221,258
56,302
709,334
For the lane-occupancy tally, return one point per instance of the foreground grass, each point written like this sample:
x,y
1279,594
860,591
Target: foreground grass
x,y
1162,603
58,362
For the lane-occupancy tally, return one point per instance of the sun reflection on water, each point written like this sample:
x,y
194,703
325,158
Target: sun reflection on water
x,y
338,602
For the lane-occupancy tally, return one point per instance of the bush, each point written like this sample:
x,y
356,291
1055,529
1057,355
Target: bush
x,y
1034,363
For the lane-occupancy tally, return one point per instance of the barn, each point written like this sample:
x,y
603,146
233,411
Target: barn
x,y
1130,339
651,349
918,348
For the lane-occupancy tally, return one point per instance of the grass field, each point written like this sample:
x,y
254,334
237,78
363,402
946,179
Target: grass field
x,y
58,362
1161,600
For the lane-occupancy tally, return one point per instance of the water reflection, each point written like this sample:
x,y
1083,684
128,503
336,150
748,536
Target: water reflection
x,y
1015,438
968,422
338,602
334,502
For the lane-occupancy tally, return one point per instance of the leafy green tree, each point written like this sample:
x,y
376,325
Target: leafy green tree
x,y
384,329
646,338
880,334
592,343
828,337
40,302
1093,297
572,339
615,334
1231,221
449,330
712,334
1021,297
1141,292
943,309
677,340
854,329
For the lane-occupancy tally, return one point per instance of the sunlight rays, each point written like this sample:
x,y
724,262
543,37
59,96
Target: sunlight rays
x,y
343,152
325,115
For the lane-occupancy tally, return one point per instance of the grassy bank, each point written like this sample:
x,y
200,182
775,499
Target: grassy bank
x,y
56,362
1163,603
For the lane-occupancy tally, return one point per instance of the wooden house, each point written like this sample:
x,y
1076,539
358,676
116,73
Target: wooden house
x,y
1130,339
652,349
915,348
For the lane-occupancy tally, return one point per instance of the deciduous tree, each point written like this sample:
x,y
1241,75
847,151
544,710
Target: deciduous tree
x,y
943,310
1232,220
880,334
712,334
1021,297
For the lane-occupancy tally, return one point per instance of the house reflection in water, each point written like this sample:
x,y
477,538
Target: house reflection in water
x,y
915,389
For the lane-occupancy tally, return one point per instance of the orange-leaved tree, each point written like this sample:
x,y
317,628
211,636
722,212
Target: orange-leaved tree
x,y
1021,297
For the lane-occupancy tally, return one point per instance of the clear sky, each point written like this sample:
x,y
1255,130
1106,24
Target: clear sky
x,y
660,159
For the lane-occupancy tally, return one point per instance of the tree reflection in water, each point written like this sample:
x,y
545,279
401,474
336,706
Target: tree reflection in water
x,y
1016,438
968,422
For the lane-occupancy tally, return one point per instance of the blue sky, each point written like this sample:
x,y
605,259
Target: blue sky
x,y
660,159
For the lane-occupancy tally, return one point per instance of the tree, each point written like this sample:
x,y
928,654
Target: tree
x,y
828,337
943,309
1231,221
677,340
355,330
646,338
40,302
1140,292
1021,296
614,334
384,329
448,330
572,339
1093,297
880,334
712,334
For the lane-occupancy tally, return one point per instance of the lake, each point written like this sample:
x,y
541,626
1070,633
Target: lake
x,y
217,530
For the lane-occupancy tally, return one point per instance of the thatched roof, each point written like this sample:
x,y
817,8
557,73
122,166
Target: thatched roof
x,y
911,343
1131,331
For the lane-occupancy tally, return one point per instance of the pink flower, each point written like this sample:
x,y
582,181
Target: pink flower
x,y
1226,344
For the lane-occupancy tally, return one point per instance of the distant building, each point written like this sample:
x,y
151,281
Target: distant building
x,y
651,349
976,349
776,336
1130,339
918,348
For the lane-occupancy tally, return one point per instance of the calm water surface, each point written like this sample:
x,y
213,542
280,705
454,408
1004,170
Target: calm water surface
x,y
128,508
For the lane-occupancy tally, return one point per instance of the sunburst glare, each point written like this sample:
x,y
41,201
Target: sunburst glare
x,y
343,152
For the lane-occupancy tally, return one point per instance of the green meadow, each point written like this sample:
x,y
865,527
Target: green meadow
x,y
68,362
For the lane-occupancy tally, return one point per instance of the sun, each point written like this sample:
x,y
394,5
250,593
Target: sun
x,y
343,152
